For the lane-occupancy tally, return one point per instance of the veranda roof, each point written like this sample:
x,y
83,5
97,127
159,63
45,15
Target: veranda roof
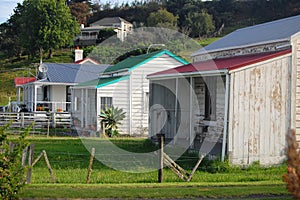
x,y
216,65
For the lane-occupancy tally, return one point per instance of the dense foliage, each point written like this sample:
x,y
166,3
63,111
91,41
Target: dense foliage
x,y
162,18
230,14
39,26
11,171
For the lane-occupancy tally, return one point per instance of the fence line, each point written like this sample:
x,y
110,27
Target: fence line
x,y
38,119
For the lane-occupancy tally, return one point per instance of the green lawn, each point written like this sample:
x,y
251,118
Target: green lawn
x,y
69,159
155,190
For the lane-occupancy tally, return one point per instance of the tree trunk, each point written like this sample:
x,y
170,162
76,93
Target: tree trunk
x,y
41,55
50,55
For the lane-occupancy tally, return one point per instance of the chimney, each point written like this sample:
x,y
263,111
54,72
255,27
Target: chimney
x,y
78,54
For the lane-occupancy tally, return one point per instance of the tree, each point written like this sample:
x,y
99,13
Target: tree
x,y
111,118
292,177
12,174
200,23
81,11
9,41
162,18
105,34
45,25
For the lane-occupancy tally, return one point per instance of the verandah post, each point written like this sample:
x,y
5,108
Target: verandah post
x,y
160,138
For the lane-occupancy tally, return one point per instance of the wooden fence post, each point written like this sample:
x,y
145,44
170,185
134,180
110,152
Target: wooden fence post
x,y
160,138
103,129
49,166
54,120
22,120
30,158
48,127
90,165
24,156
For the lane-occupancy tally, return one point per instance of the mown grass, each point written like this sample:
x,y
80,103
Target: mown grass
x,y
177,190
69,159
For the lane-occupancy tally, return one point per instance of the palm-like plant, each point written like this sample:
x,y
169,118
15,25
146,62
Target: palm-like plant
x,y
111,118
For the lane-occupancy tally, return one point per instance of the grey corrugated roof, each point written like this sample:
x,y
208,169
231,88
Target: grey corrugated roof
x,y
72,73
109,21
275,31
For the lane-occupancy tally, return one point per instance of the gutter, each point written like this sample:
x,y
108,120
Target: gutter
x,y
204,51
197,73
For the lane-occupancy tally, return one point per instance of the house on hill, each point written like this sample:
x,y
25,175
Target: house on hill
x,y
89,35
125,86
240,96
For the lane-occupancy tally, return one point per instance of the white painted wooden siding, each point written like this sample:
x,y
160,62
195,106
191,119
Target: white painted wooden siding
x,y
259,112
120,95
296,56
136,120
140,86
58,94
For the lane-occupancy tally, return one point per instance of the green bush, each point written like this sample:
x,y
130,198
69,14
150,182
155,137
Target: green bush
x,y
12,174
112,117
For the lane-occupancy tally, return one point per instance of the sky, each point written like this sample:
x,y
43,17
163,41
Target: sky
x,y
7,7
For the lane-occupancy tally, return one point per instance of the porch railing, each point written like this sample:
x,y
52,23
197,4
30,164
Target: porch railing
x,y
37,119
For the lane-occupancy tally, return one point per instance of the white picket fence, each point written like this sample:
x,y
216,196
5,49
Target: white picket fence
x,y
37,119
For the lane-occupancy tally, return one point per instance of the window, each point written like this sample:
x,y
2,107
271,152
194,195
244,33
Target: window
x,y
210,98
106,102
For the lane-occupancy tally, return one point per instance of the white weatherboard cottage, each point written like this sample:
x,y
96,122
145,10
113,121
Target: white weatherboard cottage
x,y
125,86
51,90
246,86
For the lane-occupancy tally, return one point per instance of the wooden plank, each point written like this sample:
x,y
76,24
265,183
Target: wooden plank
x,y
285,112
231,117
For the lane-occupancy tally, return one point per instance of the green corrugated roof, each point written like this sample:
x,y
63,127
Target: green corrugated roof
x,y
129,64
107,81
135,61
100,82
88,83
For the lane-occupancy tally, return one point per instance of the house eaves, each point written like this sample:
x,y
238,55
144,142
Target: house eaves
x,y
108,81
190,74
101,82
204,51
134,62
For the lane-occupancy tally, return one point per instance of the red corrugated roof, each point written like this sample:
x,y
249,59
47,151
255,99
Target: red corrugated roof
x,y
23,80
222,63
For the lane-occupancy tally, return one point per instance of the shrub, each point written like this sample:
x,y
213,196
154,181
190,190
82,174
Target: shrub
x,y
292,177
12,174
111,117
